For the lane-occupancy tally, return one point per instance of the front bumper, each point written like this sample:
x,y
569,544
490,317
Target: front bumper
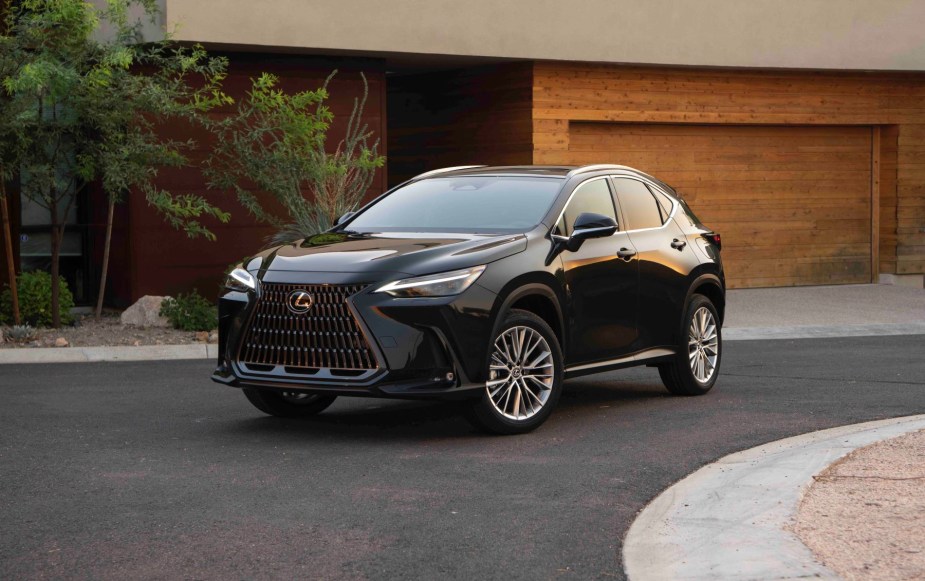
x,y
424,347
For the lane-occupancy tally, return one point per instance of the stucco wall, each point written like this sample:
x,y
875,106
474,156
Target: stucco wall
x,y
822,34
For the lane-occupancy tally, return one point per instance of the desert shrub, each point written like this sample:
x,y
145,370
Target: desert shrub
x,y
34,290
190,312
21,333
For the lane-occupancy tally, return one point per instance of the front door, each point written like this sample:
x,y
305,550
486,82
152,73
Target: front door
x,y
602,287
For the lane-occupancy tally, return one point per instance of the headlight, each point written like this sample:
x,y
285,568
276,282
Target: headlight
x,y
240,280
434,285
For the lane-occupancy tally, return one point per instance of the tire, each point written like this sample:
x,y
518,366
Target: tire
x,y
690,372
519,402
288,404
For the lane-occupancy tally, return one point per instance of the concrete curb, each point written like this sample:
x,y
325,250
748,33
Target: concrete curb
x,y
90,354
210,351
728,519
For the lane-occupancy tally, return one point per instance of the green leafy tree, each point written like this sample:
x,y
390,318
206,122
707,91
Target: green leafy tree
x,y
89,110
11,147
275,143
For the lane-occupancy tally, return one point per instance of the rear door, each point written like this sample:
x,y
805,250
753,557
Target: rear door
x,y
664,256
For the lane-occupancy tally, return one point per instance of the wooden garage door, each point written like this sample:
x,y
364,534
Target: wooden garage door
x,y
792,203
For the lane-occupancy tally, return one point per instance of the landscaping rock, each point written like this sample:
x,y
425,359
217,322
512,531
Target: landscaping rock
x,y
145,313
1,336
61,342
213,337
202,336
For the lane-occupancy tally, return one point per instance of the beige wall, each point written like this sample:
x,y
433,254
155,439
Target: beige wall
x,y
827,34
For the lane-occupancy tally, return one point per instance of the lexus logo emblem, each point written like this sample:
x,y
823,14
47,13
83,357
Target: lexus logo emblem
x,y
299,301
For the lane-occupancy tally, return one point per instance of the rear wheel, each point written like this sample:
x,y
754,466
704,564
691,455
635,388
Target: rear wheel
x,y
288,404
524,376
695,368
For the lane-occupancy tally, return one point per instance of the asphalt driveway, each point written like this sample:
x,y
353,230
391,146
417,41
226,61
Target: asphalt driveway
x,y
128,470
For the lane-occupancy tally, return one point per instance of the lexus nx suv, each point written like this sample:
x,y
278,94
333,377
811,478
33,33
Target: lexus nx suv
x,y
488,285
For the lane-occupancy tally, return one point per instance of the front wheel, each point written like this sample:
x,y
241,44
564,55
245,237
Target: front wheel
x,y
524,376
288,404
695,368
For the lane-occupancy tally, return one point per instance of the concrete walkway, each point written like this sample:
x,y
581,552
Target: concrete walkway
x,y
829,306
730,519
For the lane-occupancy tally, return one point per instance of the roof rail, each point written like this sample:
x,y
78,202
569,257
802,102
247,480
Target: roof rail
x,y
595,167
444,170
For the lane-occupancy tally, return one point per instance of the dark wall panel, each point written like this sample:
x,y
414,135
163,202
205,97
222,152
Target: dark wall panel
x,y
473,116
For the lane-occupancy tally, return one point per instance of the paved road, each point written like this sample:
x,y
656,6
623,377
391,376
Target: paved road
x,y
118,470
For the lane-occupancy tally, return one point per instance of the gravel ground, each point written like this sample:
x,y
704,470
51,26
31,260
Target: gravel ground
x,y
108,331
864,517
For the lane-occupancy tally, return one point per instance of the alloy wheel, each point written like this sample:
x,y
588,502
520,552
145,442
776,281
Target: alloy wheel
x,y
521,373
703,345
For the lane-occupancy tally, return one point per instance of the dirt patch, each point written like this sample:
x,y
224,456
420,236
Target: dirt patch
x,y
864,517
108,331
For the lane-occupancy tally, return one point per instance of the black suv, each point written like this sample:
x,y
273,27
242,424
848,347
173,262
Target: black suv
x,y
490,285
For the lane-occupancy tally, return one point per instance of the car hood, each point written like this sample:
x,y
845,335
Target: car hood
x,y
393,253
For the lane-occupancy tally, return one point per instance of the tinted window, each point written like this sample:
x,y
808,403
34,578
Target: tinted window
x,y
638,204
592,196
664,203
462,204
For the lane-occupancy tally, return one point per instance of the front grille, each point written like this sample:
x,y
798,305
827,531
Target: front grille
x,y
327,336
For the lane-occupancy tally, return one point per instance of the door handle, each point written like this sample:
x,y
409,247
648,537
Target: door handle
x,y
677,244
626,253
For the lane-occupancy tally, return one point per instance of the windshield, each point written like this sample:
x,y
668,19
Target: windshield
x,y
480,204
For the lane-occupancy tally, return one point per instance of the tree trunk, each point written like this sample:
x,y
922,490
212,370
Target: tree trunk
x,y
102,291
8,244
55,257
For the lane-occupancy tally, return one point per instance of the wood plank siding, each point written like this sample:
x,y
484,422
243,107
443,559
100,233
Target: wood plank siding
x,y
793,204
809,148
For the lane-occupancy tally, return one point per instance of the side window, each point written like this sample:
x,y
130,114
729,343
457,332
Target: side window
x,y
639,206
664,203
591,196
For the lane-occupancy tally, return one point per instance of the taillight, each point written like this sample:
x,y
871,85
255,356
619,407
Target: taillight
x,y
715,238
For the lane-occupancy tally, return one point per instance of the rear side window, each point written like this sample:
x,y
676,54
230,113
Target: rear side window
x,y
640,209
591,196
664,203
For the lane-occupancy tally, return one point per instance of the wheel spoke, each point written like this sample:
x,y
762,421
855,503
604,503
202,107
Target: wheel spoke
x,y
543,387
520,345
529,397
530,349
536,362
709,364
494,394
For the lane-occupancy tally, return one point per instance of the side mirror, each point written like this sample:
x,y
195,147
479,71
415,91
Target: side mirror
x,y
344,218
590,225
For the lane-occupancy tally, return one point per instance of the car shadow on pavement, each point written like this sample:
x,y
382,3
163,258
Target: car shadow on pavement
x,y
368,418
